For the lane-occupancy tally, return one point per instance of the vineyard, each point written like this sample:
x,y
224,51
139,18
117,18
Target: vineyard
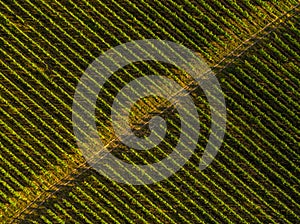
x,y
253,48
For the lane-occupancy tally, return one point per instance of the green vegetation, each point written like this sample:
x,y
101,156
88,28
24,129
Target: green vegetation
x,y
253,48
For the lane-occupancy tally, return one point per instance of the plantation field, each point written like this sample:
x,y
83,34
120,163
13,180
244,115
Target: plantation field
x,y
253,48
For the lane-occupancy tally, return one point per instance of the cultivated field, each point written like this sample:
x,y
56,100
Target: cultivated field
x,y
253,48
